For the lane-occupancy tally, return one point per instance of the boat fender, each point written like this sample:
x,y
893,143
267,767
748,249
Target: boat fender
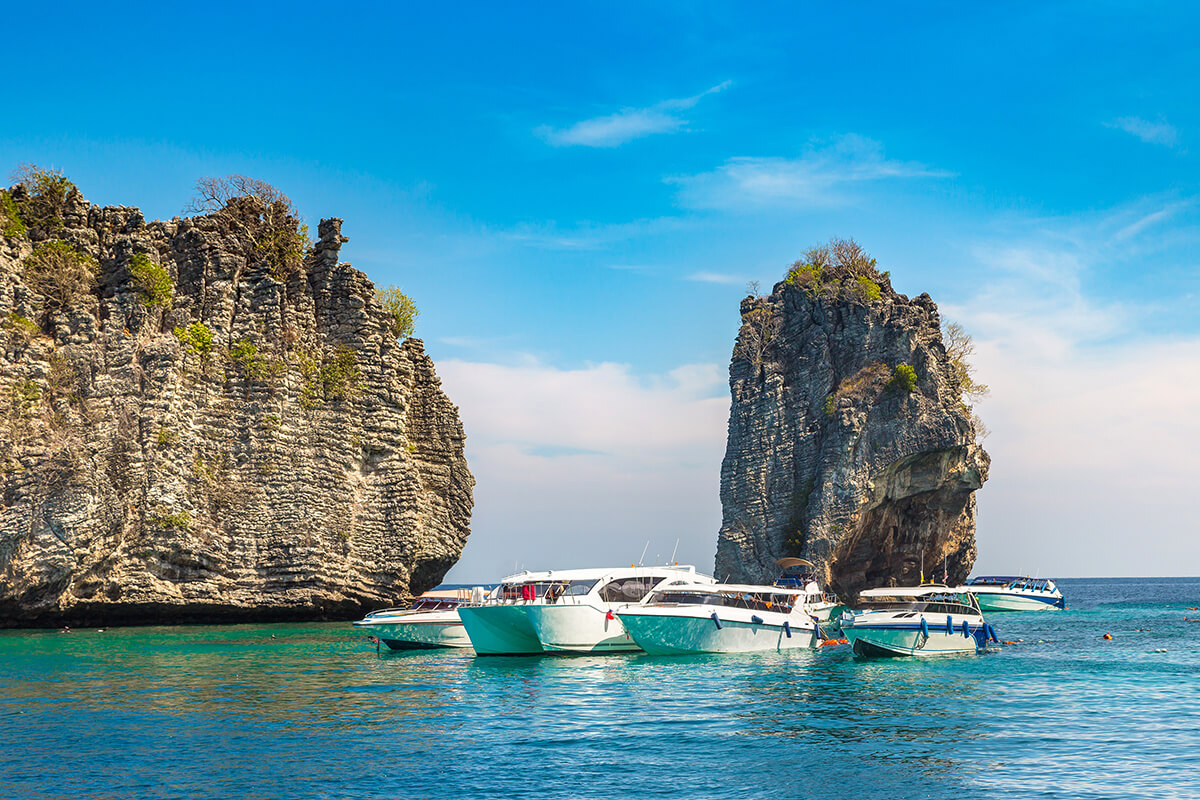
x,y
991,629
966,629
949,625
716,620
924,628
787,629
756,619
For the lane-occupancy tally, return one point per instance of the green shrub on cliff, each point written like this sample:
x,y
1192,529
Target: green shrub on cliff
x,y
59,273
197,338
867,288
11,224
25,396
46,194
339,374
163,517
263,215
904,379
401,310
830,407
153,282
805,276
253,364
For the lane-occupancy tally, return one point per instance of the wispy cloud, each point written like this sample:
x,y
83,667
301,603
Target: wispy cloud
x,y
1092,412
818,177
627,124
591,235
1158,132
714,277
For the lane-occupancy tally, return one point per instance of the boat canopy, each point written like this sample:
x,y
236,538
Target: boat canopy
x,y
908,591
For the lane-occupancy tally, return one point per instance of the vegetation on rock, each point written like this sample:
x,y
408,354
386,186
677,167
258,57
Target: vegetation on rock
x,y
265,216
60,273
11,224
196,337
153,283
401,310
760,326
45,199
904,379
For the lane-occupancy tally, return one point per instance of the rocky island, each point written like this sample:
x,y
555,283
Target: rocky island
x,y
850,441
211,418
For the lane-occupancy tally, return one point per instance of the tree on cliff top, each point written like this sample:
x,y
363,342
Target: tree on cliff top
x,y
264,215
959,349
43,203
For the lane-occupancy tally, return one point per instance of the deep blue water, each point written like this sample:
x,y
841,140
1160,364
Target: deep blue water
x,y
278,711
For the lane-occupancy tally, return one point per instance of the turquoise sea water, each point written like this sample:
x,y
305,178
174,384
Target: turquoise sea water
x,y
277,711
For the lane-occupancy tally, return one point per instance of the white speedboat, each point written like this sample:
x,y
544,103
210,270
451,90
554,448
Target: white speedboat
x,y
432,621
565,611
926,620
999,593
576,618
722,618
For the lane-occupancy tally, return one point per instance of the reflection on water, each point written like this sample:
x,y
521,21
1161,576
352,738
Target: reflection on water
x,y
312,710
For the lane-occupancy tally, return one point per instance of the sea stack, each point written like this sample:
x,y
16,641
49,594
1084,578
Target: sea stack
x,y
849,443
210,419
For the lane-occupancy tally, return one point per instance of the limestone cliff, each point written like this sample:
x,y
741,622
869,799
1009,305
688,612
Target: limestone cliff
x,y
849,443
198,429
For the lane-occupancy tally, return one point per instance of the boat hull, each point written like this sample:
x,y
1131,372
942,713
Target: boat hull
x,y
873,641
1004,601
660,633
501,630
579,629
419,634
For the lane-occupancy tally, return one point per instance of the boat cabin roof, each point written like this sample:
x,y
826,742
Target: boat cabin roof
x,y
734,588
923,590
595,574
1005,580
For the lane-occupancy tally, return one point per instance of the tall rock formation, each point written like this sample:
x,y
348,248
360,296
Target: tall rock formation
x,y
202,421
849,442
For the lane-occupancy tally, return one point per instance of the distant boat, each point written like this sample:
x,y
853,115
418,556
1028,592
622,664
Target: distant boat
x,y
724,618
565,611
926,620
431,622
1008,593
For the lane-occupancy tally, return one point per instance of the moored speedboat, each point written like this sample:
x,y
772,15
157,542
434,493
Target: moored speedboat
x,y
926,620
498,626
577,613
1007,593
432,621
722,618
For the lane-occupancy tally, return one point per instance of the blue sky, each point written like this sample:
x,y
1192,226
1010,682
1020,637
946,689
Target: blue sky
x,y
575,196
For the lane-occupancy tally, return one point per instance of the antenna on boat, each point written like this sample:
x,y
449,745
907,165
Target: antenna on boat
x,y
644,549
922,566
672,559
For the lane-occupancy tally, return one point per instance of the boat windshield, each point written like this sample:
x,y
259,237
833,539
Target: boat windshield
x,y
436,603
630,590
933,603
758,601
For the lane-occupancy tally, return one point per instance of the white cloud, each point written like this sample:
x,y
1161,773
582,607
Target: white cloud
x,y
583,466
1093,419
714,277
819,177
1160,132
627,124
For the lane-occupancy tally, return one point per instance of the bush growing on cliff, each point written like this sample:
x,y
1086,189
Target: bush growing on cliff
x,y
339,375
840,268
760,326
47,192
25,395
254,365
959,348
11,224
867,288
152,282
59,273
196,337
163,517
260,212
401,310
904,379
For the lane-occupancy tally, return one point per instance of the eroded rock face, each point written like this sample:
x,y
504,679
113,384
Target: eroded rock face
x,y
832,460
306,464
